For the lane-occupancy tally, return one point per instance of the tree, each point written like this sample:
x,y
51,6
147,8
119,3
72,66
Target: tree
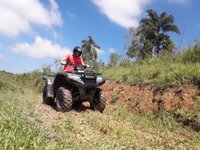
x,y
57,65
134,46
134,49
46,69
168,45
139,47
154,28
89,47
114,59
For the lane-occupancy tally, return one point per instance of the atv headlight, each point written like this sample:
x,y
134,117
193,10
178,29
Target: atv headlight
x,y
74,77
99,79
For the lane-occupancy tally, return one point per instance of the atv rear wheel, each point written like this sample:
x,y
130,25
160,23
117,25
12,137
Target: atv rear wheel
x,y
63,99
99,101
47,100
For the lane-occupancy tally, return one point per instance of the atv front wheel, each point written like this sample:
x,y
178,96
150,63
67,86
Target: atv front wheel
x,y
47,100
99,101
63,99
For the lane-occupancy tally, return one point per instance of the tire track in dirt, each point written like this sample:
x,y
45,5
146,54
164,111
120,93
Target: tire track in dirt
x,y
49,115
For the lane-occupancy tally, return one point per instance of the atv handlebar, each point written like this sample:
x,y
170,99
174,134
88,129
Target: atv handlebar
x,y
80,67
75,66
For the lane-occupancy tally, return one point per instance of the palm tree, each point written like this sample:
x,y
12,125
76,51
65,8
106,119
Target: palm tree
x,y
154,28
89,47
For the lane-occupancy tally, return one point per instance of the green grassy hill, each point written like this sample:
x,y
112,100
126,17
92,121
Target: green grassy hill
x,y
28,124
165,71
25,123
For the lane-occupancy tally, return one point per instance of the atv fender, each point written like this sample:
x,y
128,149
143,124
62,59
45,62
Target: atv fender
x,y
49,86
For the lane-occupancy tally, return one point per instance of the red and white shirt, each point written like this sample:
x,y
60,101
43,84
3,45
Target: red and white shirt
x,y
74,60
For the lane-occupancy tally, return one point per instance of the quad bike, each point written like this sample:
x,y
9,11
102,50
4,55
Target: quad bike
x,y
69,88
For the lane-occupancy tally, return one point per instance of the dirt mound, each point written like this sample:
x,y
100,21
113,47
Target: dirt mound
x,y
145,99
135,98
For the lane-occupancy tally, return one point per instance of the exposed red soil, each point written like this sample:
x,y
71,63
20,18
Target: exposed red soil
x,y
145,99
136,98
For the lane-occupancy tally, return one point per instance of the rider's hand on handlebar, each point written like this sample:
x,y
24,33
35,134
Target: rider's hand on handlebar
x,y
86,66
64,62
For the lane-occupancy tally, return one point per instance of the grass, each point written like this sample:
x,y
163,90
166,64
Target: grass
x,y
17,131
116,128
163,73
25,125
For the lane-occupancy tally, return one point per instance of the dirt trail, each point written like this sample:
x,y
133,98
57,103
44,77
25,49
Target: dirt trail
x,y
116,125
137,99
49,115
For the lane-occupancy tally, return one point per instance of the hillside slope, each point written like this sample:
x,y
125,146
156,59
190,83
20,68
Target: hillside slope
x,y
26,123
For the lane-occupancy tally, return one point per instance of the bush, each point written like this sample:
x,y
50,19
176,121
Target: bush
x,y
191,54
164,71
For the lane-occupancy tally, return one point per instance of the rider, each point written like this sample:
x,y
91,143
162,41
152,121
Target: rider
x,y
72,60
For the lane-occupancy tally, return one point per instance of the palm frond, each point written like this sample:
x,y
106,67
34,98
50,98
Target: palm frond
x,y
153,15
162,15
167,20
146,21
171,28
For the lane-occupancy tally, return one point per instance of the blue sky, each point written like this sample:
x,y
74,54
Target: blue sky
x,y
35,32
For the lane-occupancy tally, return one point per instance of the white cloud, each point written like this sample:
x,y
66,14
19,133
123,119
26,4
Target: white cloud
x,y
56,35
112,50
41,48
17,16
124,13
100,51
